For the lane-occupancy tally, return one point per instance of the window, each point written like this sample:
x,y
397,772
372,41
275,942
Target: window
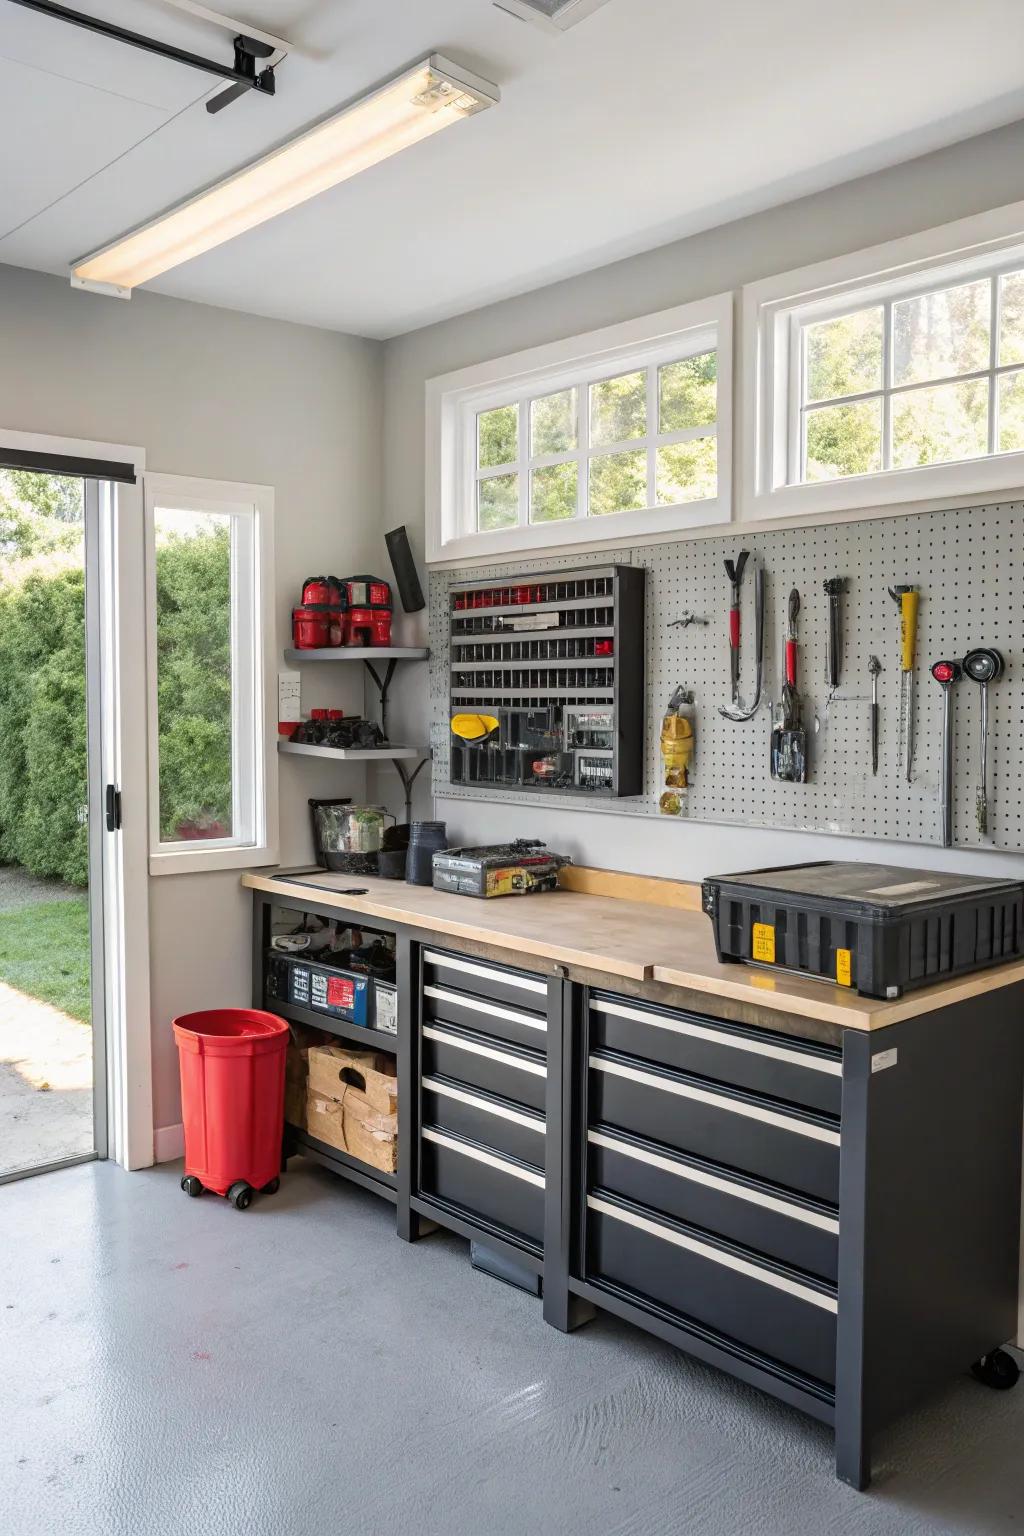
x,y
210,662
621,433
888,388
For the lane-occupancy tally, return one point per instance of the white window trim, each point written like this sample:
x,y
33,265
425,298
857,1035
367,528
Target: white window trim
x,y
257,713
969,247
545,369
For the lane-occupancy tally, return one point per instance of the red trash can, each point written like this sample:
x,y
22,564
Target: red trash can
x,y
232,1100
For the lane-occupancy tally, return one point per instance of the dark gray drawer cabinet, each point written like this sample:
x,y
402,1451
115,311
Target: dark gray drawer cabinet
x,y
483,1094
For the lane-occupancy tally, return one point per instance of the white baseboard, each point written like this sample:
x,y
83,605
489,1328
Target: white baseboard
x,y
168,1143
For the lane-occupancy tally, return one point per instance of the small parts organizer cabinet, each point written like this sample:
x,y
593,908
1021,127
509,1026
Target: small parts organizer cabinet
x,y
558,661
483,1098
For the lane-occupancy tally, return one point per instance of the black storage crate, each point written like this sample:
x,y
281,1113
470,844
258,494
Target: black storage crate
x,y
876,928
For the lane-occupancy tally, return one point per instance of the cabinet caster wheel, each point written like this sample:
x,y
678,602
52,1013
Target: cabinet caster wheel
x,y
271,1188
240,1195
998,1370
191,1185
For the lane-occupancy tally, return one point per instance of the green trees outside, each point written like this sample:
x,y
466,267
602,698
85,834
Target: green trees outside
x,y
687,399
43,776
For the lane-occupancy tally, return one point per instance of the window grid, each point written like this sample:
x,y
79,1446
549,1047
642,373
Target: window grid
x,y
992,373
586,452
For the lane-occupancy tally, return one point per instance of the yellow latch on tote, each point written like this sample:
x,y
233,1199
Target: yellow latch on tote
x,y
844,967
763,943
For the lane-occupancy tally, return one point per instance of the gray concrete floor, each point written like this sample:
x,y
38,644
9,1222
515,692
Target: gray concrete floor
x,y
174,1366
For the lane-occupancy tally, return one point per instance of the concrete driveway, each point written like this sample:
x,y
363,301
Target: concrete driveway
x,y
45,1059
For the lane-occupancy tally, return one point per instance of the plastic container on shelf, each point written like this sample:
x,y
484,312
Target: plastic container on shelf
x,y
232,1063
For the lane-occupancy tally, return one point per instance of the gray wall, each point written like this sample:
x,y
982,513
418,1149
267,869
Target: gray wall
x,y
978,174
213,393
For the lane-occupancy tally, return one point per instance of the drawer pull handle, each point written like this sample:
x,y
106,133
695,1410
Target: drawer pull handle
x,y
492,1010
480,1156
449,1091
719,1037
727,1260
469,968
733,1106
429,1033
723,1186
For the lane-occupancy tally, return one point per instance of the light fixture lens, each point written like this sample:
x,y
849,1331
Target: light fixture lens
x,y
408,109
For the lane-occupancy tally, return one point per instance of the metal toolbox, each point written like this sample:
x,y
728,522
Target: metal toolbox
x,y
879,929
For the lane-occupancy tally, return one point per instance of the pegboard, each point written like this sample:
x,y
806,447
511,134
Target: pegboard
x,y
967,565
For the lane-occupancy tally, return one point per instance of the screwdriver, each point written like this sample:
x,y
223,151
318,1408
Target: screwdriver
x,y
906,600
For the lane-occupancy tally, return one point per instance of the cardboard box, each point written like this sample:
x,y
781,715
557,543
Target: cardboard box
x,y
334,1068
352,1124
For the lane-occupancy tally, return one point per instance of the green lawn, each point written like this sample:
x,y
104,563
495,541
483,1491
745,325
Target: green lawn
x,y
44,951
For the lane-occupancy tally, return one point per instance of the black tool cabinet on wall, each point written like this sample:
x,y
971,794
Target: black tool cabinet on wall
x,y
557,660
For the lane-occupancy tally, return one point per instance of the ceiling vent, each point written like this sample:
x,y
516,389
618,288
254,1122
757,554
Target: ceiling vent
x,y
555,15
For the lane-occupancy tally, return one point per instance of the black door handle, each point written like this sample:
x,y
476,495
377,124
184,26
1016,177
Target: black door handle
x,y
113,808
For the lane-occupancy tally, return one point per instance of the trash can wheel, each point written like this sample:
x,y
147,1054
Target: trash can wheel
x,y
240,1195
191,1185
271,1188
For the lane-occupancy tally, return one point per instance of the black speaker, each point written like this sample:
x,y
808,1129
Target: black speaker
x,y
404,567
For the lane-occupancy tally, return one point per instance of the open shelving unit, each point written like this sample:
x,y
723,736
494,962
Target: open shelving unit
x,y
393,753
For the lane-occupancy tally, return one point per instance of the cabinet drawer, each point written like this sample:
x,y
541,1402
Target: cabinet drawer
x,y
461,1173
755,1059
760,1306
757,1136
500,983
508,1071
771,1221
445,1005
495,1123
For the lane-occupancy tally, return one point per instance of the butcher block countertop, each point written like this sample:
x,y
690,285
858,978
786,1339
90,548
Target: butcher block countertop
x,y
614,936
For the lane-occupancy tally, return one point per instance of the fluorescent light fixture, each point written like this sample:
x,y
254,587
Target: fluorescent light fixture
x,y
412,106
558,15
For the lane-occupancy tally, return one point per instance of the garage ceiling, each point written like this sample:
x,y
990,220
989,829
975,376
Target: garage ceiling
x,y
649,120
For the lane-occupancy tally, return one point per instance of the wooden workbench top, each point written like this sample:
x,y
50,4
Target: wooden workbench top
x,y
635,940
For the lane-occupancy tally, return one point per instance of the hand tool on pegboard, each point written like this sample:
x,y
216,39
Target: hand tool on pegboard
x,y
947,674
906,600
687,619
789,739
874,667
739,711
983,666
835,588
734,571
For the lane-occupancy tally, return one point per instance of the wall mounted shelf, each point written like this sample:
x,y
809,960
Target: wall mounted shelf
x,y
365,653
348,754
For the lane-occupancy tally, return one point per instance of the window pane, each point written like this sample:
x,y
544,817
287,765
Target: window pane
x,y
497,436
553,493
193,635
688,471
553,423
497,502
688,393
618,409
844,356
940,334
1011,412
1011,318
843,440
618,483
934,426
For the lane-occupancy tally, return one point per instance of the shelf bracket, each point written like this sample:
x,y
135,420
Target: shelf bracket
x,y
383,684
408,779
